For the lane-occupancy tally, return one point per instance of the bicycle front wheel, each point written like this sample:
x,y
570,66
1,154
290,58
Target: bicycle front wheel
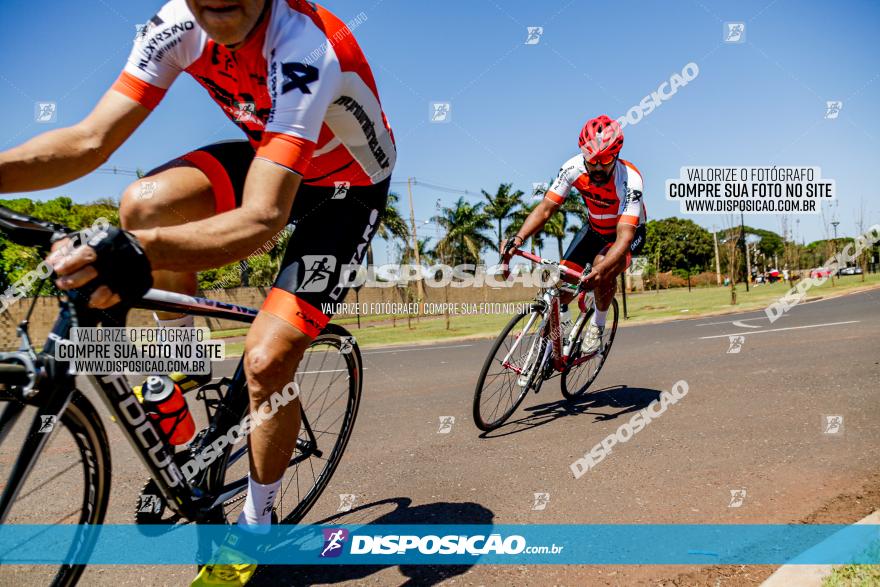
x,y
330,378
510,370
69,483
583,370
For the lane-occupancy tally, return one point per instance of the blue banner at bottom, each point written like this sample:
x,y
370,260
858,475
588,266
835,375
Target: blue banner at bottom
x,y
611,544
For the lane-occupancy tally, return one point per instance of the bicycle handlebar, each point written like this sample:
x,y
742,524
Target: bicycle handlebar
x,y
562,268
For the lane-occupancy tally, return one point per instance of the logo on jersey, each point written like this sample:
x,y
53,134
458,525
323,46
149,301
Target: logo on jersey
x,y
334,538
298,76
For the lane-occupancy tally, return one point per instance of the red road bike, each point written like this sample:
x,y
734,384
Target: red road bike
x,y
532,348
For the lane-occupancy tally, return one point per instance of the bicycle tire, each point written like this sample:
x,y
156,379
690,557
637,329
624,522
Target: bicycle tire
x,y
481,422
82,421
332,335
578,388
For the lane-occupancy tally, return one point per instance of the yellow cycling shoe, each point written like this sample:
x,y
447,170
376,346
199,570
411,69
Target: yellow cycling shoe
x,y
232,568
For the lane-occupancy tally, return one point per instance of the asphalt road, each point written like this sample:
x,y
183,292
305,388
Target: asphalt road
x,y
751,421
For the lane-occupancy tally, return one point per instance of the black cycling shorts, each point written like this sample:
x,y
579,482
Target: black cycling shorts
x,y
588,243
332,227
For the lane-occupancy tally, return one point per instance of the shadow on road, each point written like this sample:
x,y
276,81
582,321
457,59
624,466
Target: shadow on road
x,y
621,398
403,513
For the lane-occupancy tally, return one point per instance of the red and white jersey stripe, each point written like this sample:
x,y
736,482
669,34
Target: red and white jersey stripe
x,y
299,87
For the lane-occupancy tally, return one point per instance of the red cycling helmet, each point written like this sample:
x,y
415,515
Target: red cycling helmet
x,y
601,140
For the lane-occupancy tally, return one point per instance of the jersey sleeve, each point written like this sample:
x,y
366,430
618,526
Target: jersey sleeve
x,y
164,47
302,89
632,209
561,186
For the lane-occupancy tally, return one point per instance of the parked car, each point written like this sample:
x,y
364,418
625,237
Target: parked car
x,y
850,271
820,272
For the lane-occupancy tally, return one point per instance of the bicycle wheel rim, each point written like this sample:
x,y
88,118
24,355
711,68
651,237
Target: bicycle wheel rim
x,y
54,474
577,380
304,481
500,392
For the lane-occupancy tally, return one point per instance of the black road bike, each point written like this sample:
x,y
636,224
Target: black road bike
x,y
56,468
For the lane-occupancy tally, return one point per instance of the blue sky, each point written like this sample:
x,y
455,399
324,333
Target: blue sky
x,y
517,108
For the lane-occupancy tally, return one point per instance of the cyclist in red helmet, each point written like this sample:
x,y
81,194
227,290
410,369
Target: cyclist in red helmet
x,y
612,192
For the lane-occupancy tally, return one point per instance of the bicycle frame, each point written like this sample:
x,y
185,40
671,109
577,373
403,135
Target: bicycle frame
x,y
553,329
157,455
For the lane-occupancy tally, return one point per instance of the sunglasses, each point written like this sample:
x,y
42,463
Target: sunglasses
x,y
601,160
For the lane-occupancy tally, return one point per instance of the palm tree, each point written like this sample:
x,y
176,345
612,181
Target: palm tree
x,y
426,253
391,226
555,227
463,224
574,206
501,206
519,216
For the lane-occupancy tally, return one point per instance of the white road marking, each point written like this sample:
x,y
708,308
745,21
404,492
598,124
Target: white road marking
x,y
781,329
742,324
730,322
425,348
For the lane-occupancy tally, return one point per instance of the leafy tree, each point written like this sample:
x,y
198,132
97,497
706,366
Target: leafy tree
x,y
683,244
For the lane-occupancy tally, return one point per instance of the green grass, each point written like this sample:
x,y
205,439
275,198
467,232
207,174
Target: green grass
x,y
856,575
642,307
853,576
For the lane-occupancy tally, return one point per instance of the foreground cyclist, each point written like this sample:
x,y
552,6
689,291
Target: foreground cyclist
x,y
612,191
292,77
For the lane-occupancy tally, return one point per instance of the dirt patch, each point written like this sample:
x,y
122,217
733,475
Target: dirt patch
x,y
846,508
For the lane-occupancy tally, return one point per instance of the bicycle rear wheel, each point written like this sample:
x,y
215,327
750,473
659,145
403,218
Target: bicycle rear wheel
x,y
580,373
510,369
69,483
330,378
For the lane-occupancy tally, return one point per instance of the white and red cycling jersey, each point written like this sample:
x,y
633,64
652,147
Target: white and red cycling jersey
x,y
619,200
299,87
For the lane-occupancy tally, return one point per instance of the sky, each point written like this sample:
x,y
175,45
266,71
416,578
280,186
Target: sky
x,y
516,108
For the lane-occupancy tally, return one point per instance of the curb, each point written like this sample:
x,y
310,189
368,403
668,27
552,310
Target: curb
x,y
809,575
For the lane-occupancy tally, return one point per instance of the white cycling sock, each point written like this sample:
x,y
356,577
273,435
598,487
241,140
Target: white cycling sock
x,y
186,321
599,318
256,516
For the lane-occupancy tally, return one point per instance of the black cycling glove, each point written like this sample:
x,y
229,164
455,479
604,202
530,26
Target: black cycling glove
x,y
121,263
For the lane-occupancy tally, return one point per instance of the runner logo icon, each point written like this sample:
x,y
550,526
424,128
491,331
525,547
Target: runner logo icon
x,y
334,538
318,269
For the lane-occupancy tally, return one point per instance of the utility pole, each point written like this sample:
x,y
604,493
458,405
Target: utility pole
x,y
412,220
745,246
748,266
717,259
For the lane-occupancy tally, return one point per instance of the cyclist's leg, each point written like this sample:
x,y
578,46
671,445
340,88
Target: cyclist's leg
x,y
606,289
584,247
201,183
335,233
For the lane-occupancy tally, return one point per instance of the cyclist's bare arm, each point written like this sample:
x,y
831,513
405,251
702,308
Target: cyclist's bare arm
x,y
536,219
59,156
268,196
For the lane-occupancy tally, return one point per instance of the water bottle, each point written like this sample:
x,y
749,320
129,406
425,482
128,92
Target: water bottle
x,y
164,402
